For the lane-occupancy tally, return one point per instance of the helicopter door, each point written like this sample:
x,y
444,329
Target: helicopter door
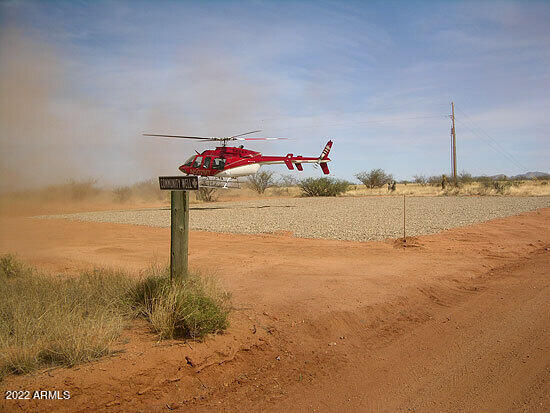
x,y
219,164
206,163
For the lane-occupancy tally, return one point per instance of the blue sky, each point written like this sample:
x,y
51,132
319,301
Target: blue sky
x,y
81,80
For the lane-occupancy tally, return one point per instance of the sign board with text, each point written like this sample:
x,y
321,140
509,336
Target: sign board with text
x,y
179,183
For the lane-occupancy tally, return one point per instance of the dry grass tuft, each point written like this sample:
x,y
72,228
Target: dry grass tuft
x,y
51,321
191,307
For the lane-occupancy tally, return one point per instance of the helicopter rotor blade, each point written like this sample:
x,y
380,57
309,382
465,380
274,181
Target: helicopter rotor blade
x,y
242,134
258,139
214,138
207,138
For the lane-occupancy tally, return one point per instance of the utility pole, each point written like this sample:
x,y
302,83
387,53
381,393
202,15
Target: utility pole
x,y
453,140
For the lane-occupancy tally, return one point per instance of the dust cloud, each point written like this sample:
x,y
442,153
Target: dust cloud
x,y
44,122
58,120
204,95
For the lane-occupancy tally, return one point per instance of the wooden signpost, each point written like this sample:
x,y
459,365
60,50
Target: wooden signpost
x,y
179,187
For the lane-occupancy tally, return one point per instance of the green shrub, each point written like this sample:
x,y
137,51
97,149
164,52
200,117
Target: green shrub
x,y
323,186
189,308
376,178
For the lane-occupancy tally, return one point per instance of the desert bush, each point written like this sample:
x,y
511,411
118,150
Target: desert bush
x,y
207,194
81,190
73,190
122,193
191,307
434,180
487,185
50,321
287,181
420,179
149,190
465,177
484,181
323,186
501,187
260,181
376,178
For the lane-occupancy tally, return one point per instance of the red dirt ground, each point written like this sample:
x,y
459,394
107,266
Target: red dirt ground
x,y
457,321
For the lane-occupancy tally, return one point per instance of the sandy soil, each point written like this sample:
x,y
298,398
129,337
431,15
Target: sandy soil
x,y
456,321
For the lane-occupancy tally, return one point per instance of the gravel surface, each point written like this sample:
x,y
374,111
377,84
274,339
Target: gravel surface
x,y
346,218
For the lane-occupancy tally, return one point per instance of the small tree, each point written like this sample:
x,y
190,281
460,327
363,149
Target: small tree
x,y
260,181
376,178
420,179
206,194
287,181
323,186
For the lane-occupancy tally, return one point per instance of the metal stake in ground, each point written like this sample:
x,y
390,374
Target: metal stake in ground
x,y
179,220
404,233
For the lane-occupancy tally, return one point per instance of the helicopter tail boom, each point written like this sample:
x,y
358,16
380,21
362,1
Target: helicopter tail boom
x,y
292,161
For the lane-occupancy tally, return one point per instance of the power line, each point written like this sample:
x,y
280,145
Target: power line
x,y
493,146
497,146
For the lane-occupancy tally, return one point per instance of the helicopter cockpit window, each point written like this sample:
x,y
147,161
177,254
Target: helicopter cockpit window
x,y
189,162
198,161
219,163
206,163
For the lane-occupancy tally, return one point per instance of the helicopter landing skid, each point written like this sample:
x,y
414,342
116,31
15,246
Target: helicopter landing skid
x,y
213,182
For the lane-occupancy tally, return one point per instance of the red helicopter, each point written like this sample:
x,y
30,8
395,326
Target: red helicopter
x,y
228,162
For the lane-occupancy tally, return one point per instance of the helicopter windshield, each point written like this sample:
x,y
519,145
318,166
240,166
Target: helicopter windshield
x,y
189,162
198,161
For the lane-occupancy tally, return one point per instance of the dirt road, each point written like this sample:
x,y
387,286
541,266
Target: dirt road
x,y
487,353
457,321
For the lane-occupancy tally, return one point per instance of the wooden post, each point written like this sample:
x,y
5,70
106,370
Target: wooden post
x,y
179,233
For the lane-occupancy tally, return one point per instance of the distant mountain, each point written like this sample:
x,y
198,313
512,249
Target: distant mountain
x,y
531,175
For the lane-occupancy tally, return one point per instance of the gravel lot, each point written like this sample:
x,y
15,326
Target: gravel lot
x,y
346,218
